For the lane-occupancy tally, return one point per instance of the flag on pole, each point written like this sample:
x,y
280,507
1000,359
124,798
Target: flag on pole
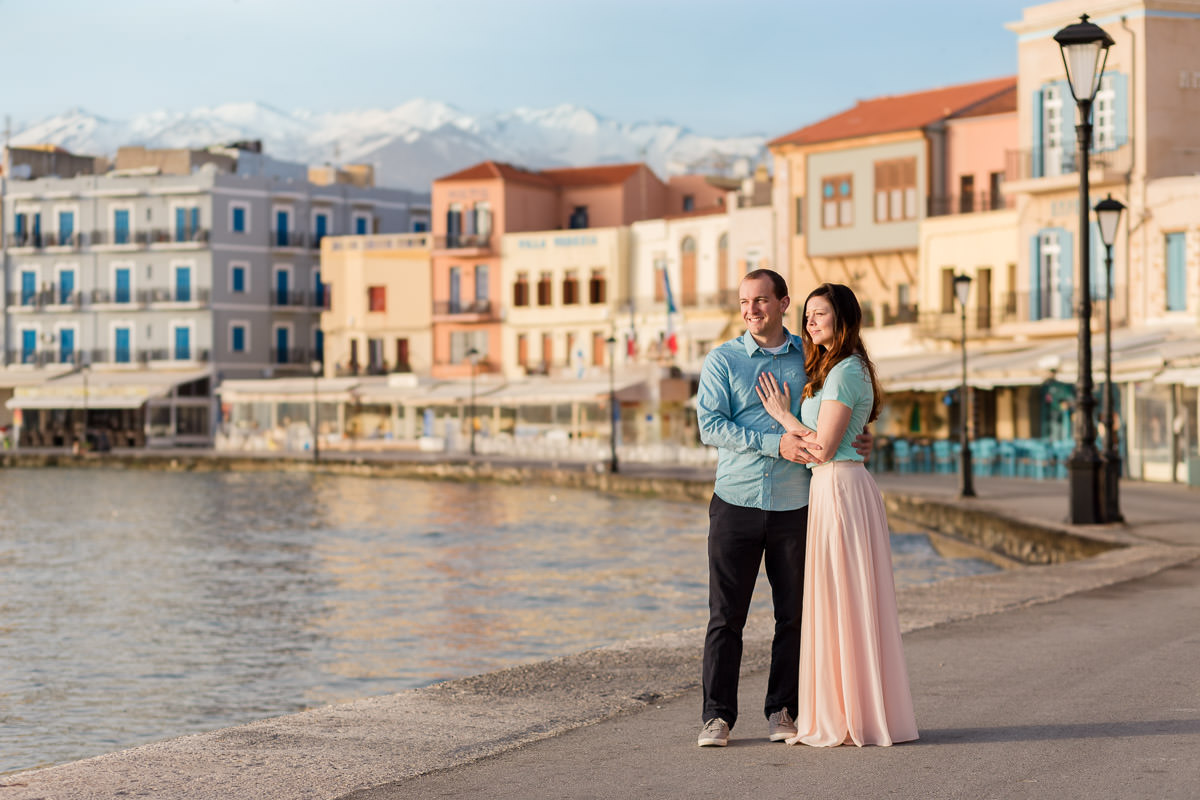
x,y
672,342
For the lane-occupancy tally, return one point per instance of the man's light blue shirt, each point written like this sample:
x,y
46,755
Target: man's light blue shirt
x,y
750,471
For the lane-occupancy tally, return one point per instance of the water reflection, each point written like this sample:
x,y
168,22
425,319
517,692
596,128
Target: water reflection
x,y
139,606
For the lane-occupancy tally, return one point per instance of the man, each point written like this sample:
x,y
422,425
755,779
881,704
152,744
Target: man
x,y
759,508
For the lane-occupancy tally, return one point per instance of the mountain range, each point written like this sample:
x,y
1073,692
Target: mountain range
x,y
414,143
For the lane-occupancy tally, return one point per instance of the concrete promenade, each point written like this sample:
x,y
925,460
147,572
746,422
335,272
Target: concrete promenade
x,y
1069,680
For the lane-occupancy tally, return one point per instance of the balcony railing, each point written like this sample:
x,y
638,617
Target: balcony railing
x,y
177,294
42,358
52,296
1039,162
281,238
127,238
454,241
948,325
480,307
1018,307
967,204
902,314
289,298
178,236
292,356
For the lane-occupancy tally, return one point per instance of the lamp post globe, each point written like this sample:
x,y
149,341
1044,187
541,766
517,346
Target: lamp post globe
x,y
1084,48
1108,216
962,290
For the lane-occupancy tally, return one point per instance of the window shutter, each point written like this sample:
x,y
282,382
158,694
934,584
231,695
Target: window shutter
x,y
1038,145
1120,82
1066,262
1035,276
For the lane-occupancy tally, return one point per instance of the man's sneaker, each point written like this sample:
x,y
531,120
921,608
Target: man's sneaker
x,y
780,726
714,734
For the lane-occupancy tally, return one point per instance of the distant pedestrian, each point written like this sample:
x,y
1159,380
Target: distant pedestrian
x,y
853,679
758,509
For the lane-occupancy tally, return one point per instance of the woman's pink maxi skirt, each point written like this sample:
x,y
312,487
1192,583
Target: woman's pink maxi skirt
x,y
853,680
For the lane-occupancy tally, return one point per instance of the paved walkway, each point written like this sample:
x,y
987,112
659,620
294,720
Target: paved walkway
x,y
1072,680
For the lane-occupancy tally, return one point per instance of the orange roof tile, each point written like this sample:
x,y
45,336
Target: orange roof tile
x,y
1003,103
899,112
497,170
592,176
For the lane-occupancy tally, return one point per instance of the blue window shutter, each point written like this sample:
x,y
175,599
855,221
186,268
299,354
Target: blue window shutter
x,y
1176,272
1035,276
1120,83
66,346
1068,127
1066,262
1038,145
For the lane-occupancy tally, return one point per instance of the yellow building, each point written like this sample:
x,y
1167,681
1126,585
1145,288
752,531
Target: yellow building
x,y
378,312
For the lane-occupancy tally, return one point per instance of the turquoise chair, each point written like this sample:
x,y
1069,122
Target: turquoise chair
x,y
1041,460
983,456
1062,450
945,457
902,459
1006,458
922,458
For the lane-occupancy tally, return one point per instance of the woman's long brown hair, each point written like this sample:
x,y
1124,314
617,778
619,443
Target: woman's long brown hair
x,y
847,341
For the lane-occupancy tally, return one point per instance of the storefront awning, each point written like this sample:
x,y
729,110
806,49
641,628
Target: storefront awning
x,y
99,389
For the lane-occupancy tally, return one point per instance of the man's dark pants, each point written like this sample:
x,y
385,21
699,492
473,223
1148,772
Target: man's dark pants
x,y
738,540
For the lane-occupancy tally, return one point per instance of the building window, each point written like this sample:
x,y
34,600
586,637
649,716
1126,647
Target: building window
x,y
799,216
29,287
579,217
544,290
402,357
182,341
522,350
689,202
521,290
1104,117
483,221
895,189
995,190
482,290
362,224
966,194
122,344
376,298
597,288
570,288
183,284
187,223
1051,283
283,224
1176,272
320,227
237,278
837,201
239,218
461,343
547,350
121,226
455,305
237,338
66,286
122,285
948,297
599,345
66,227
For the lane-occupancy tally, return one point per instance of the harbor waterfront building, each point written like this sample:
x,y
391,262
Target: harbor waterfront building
x,y
129,294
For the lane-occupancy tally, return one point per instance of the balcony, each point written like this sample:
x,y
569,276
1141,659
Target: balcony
x,y
948,324
50,297
181,236
119,238
289,298
463,241
293,356
476,308
42,358
902,314
1040,163
294,239
169,354
967,204
1017,307
175,295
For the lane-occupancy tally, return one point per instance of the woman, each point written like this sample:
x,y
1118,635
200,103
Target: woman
x,y
853,680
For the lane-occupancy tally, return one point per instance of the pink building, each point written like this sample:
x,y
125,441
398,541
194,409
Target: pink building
x,y
473,208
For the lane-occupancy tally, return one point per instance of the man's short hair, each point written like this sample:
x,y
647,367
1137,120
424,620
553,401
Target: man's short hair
x,y
777,281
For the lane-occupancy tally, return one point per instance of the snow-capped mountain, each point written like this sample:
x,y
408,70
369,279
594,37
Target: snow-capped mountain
x,y
411,144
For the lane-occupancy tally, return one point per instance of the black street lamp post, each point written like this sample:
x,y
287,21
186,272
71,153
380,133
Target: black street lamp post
x,y
473,357
315,366
1108,214
1084,51
612,403
962,290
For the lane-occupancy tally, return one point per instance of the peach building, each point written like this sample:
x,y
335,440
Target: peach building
x,y
851,190
475,208
377,318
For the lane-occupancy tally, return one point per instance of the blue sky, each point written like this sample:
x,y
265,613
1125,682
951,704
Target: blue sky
x,y
720,68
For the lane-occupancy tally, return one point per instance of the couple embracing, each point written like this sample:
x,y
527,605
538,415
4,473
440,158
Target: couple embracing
x,y
788,414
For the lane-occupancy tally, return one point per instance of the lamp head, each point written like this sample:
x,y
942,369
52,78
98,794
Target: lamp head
x,y
1084,48
1108,214
962,288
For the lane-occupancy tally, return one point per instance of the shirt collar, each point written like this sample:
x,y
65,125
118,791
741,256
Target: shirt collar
x,y
753,347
